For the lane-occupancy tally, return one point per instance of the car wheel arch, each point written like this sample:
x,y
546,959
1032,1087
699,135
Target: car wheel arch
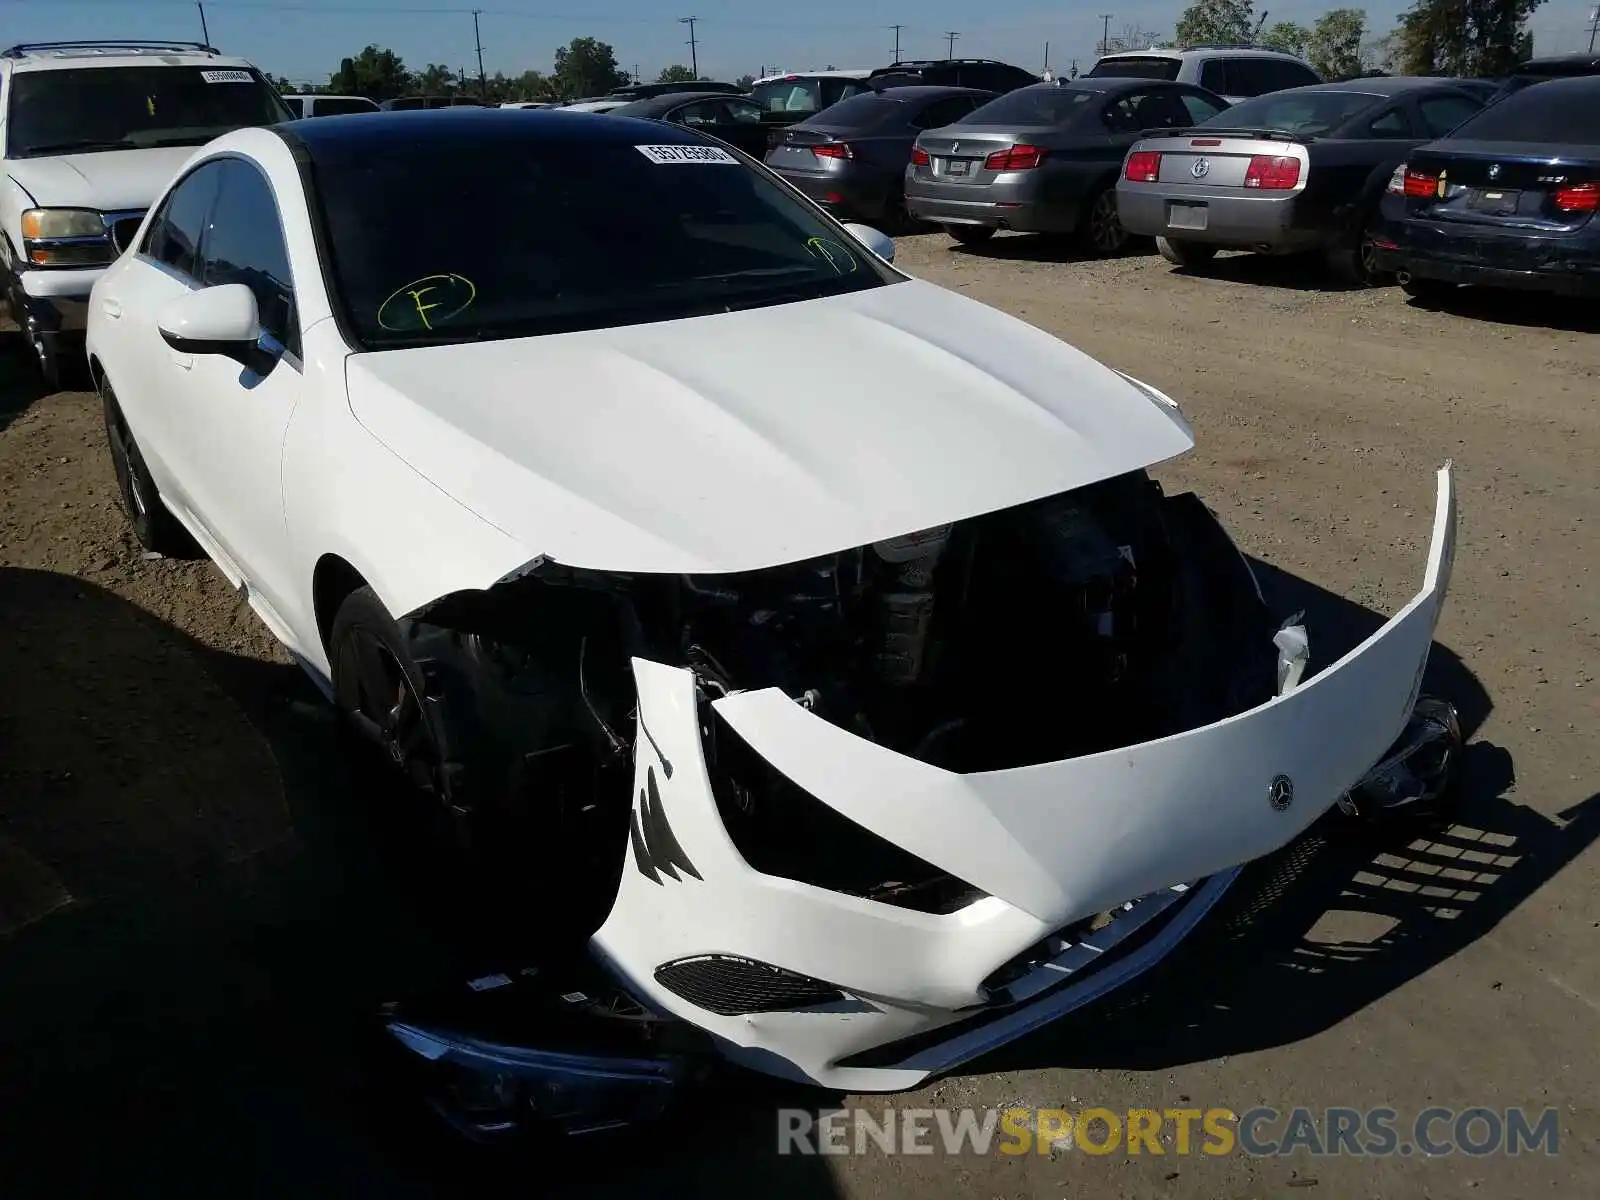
x,y
333,579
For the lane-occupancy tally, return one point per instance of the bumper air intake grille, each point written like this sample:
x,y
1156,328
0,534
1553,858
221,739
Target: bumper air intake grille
x,y
731,987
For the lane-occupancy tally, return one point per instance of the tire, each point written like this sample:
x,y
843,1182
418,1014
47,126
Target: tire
x,y
1352,261
1427,291
1185,254
1102,229
381,695
970,235
154,527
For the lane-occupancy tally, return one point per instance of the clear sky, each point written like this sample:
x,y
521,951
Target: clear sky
x,y
304,39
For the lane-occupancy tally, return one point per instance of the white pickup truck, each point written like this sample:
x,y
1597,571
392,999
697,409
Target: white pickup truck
x,y
92,132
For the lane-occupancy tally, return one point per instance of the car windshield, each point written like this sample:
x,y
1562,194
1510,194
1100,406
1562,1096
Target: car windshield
x,y
1041,105
788,95
463,241
1139,66
132,108
1560,112
1303,112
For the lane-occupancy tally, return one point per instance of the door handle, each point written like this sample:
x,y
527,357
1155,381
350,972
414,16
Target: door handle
x,y
111,308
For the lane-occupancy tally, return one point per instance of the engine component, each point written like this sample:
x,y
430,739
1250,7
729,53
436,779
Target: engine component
x,y
906,609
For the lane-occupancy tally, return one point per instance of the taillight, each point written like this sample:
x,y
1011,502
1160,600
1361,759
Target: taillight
x,y
919,156
1582,197
1015,158
1143,166
1418,184
1397,182
834,150
1272,172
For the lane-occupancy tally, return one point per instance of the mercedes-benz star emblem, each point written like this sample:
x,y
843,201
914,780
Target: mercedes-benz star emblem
x,y
1280,793
1494,171
1201,168
954,146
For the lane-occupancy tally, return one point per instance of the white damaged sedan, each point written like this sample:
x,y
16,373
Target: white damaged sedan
x,y
819,629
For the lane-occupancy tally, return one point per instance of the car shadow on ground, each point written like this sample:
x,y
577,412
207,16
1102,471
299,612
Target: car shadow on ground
x,y
1339,918
1047,247
202,905
21,385
1503,306
1290,272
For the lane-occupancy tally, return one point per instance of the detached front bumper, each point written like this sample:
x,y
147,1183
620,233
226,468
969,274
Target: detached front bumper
x,y
850,993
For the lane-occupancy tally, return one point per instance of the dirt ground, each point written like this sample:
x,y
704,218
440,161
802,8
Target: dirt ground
x,y
197,900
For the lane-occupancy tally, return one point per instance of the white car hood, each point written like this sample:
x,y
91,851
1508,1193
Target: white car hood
x,y
750,439
111,181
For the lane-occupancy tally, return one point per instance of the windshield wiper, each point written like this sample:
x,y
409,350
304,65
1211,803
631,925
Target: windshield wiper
x,y
82,144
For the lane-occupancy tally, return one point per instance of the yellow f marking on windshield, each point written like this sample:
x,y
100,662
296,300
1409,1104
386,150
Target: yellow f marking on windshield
x,y
422,309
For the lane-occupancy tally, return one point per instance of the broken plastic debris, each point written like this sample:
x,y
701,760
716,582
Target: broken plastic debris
x,y
152,556
1417,769
1294,653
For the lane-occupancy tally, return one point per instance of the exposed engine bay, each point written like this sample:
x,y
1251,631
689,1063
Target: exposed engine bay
x,y
942,645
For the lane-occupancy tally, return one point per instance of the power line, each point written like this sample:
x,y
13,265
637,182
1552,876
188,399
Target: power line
x,y
897,29
694,59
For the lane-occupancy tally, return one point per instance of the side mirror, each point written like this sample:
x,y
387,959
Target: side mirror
x,y
876,240
218,320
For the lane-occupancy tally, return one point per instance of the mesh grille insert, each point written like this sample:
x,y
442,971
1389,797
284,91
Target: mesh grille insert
x,y
730,986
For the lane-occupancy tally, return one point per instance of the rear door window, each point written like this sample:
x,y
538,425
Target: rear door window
x,y
175,232
295,105
1392,123
1441,114
1250,77
1200,108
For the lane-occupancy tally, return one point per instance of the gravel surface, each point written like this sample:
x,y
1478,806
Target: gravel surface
x,y
197,899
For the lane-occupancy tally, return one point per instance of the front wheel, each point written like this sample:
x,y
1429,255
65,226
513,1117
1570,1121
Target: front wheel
x,y
970,235
1102,227
1185,254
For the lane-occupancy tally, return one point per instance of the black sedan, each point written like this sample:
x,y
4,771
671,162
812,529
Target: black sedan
x,y
1510,199
1292,171
851,157
1044,159
733,119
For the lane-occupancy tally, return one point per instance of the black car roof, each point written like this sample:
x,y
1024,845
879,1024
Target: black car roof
x,y
924,91
1559,62
425,129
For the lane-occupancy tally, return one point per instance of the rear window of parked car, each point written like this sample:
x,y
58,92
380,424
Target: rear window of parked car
x,y
1046,104
1141,66
1296,112
1563,111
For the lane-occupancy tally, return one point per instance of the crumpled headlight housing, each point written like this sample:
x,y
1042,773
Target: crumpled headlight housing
x,y
66,237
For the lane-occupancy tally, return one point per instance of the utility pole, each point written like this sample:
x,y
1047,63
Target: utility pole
x,y
1105,33
951,35
897,29
205,34
1047,56
1594,25
483,80
694,58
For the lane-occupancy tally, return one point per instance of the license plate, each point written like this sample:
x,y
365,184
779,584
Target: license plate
x,y
1187,216
957,166
1494,200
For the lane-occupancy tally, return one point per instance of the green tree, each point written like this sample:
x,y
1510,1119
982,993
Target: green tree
x,y
435,79
375,73
1213,22
1335,45
676,73
745,82
1468,38
587,67
1288,37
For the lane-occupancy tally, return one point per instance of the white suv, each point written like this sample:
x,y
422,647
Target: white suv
x,y
1233,72
92,133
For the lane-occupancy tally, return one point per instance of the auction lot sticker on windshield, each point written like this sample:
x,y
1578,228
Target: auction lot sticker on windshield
x,y
671,155
226,76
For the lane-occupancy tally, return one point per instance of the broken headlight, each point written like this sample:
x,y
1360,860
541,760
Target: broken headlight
x,y
488,1091
1417,769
